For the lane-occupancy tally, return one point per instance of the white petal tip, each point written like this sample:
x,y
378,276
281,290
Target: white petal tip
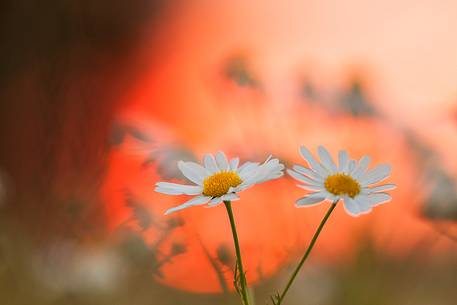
x,y
305,205
353,215
298,205
359,214
290,171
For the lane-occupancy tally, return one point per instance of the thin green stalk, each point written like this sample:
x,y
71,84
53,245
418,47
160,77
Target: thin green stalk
x,y
239,264
307,252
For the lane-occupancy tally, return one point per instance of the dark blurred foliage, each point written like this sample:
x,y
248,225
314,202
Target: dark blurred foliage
x,y
237,69
309,92
441,203
355,102
119,131
352,101
166,159
382,279
63,67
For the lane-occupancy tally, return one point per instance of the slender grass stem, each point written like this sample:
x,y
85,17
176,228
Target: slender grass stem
x,y
239,262
307,252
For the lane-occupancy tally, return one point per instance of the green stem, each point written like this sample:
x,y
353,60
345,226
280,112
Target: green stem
x,y
239,265
308,251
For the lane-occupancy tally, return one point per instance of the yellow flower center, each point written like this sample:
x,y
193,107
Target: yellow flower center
x,y
220,183
342,184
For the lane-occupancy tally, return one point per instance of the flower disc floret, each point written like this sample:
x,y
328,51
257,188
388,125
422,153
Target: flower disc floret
x,y
220,183
341,184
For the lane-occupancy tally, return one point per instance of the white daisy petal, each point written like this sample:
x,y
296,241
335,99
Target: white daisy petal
x,y
193,171
363,203
249,175
230,197
270,176
254,173
301,177
268,170
181,188
311,199
222,161
167,191
308,172
313,163
333,198
376,174
215,201
234,164
343,161
327,159
310,187
210,164
379,198
240,188
247,168
351,207
274,174
269,159
351,167
199,200
379,188
361,167
250,180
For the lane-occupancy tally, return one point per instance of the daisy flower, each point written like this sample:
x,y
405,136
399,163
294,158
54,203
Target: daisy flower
x,y
219,179
350,180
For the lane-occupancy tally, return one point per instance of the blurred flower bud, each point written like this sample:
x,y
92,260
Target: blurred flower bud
x,y
178,248
225,256
173,223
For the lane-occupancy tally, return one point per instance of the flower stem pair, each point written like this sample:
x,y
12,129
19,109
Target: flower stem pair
x,y
240,278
